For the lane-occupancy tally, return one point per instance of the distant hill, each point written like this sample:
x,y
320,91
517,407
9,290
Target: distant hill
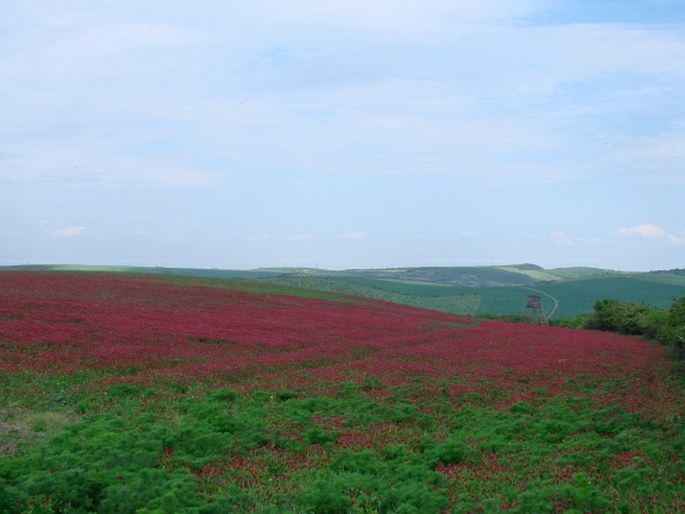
x,y
481,276
467,290
495,290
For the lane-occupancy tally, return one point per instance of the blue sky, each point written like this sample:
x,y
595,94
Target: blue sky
x,y
343,134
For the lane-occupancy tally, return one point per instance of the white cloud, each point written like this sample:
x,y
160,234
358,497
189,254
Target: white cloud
x,y
654,232
643,230
71,231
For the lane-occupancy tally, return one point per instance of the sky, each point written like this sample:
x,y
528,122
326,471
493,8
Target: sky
x,y
343,134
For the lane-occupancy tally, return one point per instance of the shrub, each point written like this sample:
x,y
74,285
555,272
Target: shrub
x,y
638,319
325,497
225,394
625,317
414,499
672,329
450,451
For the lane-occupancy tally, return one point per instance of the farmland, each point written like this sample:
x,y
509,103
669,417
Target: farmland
x,y
469,291
492,290
146,394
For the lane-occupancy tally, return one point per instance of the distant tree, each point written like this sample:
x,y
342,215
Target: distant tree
x,y
625,317
604,317
642,319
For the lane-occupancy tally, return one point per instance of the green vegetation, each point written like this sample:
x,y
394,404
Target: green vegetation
x,y
666,326
578,296
138,449
575,296
493,291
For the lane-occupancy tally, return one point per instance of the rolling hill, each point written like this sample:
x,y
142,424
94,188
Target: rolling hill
x,y
495,290
465,290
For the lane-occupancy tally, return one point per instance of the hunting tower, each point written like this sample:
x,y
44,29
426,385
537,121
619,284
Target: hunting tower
x,y
535,314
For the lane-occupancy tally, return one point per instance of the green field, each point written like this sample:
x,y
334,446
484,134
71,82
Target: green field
x,y
575,296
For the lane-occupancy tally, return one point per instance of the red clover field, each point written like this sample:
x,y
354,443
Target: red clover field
x,y
134,394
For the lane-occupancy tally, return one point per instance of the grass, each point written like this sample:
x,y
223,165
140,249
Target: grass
x,y
362,449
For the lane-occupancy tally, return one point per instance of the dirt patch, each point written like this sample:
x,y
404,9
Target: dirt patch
x,y
22,427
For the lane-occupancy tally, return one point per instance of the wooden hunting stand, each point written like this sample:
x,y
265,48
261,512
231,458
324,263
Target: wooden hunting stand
x,y
535,314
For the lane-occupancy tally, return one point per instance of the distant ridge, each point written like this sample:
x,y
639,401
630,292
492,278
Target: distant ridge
x,y
512,275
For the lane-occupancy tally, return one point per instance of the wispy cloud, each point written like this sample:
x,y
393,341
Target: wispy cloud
x,y
650,231
71,231
643,230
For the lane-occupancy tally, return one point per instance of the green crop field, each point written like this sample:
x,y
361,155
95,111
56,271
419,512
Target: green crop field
x,y
576,296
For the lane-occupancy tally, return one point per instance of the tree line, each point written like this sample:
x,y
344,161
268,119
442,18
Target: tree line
x,y
664,325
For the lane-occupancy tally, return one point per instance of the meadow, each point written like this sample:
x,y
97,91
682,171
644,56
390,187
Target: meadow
x,y
135,394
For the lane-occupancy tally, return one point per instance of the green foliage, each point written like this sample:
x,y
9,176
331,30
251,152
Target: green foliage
x,y
381,444
451,451
639,319
326,497
625,317
316,435
672,329
285,451
414,499
225,394
100,465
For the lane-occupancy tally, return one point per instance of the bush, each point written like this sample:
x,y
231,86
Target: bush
x,y
326,498
450,451
672,329
625,317
414,499
225,394
641,319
